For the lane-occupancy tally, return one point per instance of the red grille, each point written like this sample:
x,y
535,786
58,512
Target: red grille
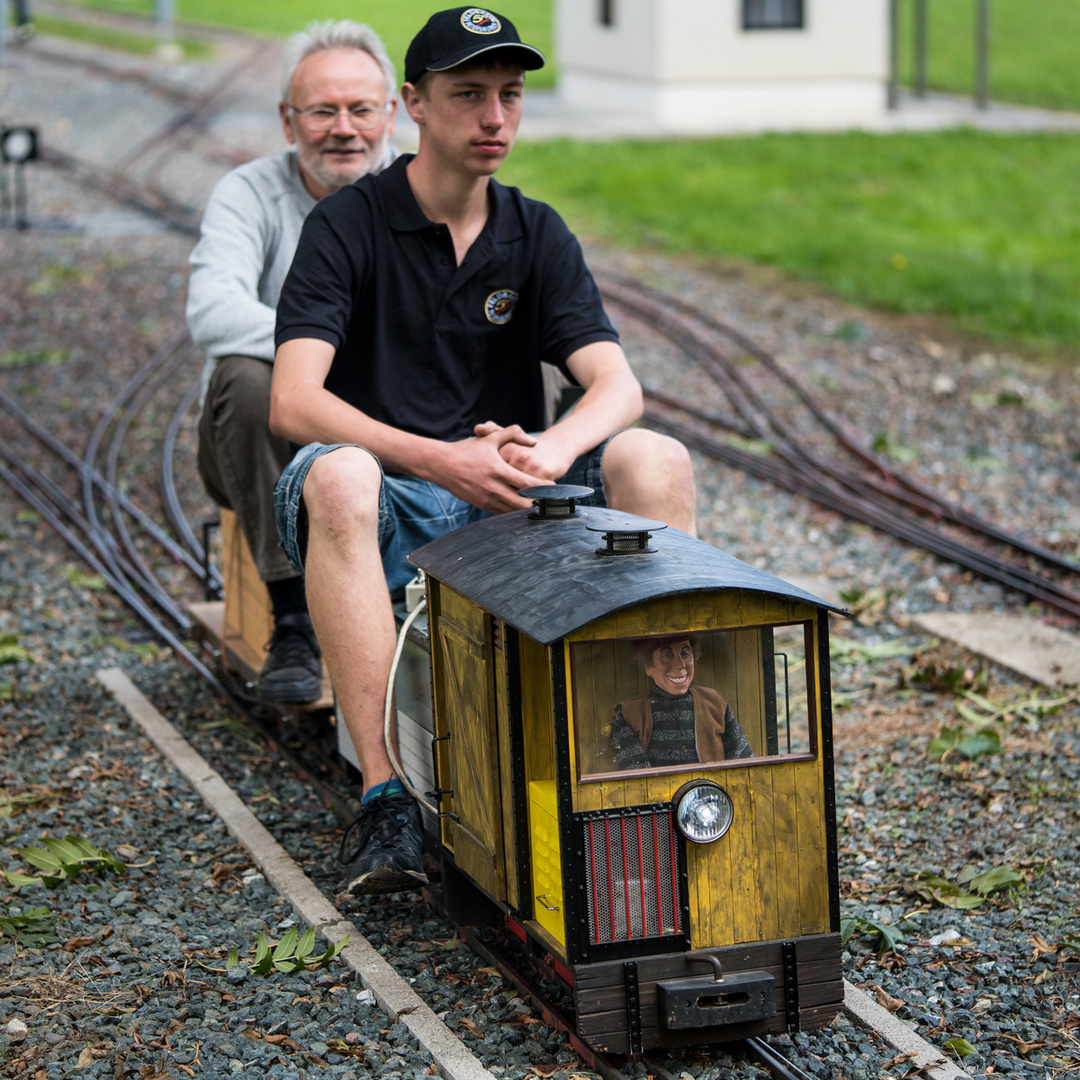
x,y
631,877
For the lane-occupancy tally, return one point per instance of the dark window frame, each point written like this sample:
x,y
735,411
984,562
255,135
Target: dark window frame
x,y
792,15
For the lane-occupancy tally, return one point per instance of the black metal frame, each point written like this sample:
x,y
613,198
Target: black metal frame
x,y
652,946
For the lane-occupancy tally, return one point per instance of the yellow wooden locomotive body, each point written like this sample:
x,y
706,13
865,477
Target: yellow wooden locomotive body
x,y
666,834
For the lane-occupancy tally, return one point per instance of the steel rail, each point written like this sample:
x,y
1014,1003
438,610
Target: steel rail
x,y
848,493
934,503
150,387
901,528
62,503
98,531
173,509
69,457
119,586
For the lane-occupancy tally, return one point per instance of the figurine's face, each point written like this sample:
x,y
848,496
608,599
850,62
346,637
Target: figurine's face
x,y
672,667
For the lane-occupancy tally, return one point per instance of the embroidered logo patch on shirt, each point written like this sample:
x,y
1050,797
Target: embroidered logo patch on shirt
x,y
499,306
480,21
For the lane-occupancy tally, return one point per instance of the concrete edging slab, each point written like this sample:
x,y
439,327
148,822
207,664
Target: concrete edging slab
x,y
394,995
926,1058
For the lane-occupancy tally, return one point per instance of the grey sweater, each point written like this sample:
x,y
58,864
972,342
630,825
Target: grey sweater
x,y
247,240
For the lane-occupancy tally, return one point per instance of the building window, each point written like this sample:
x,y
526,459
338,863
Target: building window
x,y
607,12
773,15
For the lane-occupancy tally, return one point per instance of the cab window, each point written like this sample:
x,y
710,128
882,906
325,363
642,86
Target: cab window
x,y
699,700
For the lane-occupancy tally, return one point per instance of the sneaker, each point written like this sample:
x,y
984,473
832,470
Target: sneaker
x,y
292,673
389,841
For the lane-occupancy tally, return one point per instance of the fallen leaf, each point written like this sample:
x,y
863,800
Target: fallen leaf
x,y
1041,945
885,1001
78,943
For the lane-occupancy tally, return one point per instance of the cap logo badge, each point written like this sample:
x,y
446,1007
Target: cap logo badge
x,y
479,21
499,306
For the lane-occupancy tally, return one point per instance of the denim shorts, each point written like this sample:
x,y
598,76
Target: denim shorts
x,y
411,512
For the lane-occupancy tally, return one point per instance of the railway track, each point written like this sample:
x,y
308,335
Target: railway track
x,y
847,477
111,532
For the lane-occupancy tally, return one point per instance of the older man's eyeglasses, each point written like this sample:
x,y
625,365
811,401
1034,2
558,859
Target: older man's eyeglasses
x,y
359,117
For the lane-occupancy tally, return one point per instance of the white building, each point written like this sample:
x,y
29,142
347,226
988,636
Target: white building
x,y
726,65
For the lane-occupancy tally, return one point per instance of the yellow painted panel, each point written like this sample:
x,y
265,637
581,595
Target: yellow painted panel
x,y
810,826
546,862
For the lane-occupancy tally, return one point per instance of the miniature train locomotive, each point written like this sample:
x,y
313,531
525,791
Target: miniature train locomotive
x,y
687,894
658,823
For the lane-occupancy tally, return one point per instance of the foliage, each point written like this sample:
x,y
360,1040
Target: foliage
x,y
289,954
27,357
959,1046
979,710
12,802
32,928
886,935
960,741
937,889
79,579
1070,943
977,733
63,860
11,652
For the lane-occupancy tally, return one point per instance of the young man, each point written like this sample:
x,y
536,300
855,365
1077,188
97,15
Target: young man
x,y
337,109
411,331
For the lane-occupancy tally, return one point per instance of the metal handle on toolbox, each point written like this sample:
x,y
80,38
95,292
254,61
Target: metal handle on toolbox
x,y
547,907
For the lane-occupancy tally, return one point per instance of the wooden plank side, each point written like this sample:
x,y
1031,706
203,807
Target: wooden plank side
x,y
813,854
782,849
812,950
601,1001
465,648
247,601
743,851
768,802
711,876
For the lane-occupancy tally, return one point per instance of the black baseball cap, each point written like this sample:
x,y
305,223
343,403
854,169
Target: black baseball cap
x,y
451,37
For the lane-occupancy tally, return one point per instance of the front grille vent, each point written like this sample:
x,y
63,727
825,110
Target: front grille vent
x,y
631,876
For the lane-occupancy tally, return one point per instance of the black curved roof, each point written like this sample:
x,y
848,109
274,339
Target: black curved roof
x,y
545,578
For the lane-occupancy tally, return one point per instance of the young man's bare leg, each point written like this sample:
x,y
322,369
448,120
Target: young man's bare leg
x,y
651,475
353,619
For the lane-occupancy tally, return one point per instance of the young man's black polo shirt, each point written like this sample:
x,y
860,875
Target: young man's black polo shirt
x,y
427,346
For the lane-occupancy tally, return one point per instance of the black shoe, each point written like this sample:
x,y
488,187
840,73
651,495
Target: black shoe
x,y
292,673
386,857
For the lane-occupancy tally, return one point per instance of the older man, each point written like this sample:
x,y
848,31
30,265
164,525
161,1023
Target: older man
x,y
337,110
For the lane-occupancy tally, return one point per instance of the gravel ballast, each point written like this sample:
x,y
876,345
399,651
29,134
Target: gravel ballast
x,y
136,981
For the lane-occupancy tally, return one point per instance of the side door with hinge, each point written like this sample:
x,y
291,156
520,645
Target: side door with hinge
x,y
465,705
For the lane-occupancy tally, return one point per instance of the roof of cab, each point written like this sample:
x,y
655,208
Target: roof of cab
x,y
545,578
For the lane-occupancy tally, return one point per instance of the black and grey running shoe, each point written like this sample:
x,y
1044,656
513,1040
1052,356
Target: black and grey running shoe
x,y
292,673
386,856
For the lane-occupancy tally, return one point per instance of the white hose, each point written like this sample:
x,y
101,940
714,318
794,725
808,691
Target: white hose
x,y
388,713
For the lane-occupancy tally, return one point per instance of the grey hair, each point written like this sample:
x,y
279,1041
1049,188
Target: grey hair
x,y
344,34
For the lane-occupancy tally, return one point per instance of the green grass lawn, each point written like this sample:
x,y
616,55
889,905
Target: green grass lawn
x,y
110,38
395,23
982,228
